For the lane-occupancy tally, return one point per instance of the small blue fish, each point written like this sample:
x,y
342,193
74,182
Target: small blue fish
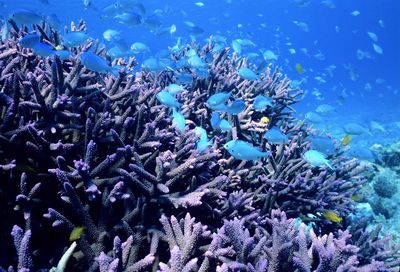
x,y
316,158
242,150
322,144
174,88
202,72
237,47
225,126
128,18
86,3
63,54
76,38
218,99
275,136
115,52
235,107
94,63
324,109
203,142
151,65
261,102
43,49
196,62
184,78
363,153
178,119
139,48
202,133
215,120
5,33
168,99
355,129
26,17
247,74
203,145
313,117
29,40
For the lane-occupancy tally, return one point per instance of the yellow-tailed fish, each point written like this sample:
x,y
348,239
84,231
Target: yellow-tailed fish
x,y
356,197
76,233
332,216
346,140
265,119
299,68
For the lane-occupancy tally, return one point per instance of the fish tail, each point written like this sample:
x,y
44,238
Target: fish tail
x,y
265,154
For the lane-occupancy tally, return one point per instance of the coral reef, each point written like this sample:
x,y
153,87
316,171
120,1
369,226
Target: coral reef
x,y
385,183
81,149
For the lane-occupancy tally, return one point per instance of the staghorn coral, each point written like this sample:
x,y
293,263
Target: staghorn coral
x,y
98,151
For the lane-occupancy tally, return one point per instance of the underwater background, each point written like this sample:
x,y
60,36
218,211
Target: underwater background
x,y
340,101
333,46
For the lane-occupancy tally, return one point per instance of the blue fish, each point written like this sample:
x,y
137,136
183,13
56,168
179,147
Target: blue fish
x,y
242,150
94,63
313,117
355,129
196,62
363,153
174,88
76,38
203,142
218,99
261,102
202,133
215,120
235,107
29,40
63,54
202,72
247,74
322,144
168,99
43,49
316,158
178,119
184,78
5,33
225,126
275,136
26,17
128,18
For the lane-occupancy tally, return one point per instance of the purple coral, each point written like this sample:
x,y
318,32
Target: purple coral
x,y
99,152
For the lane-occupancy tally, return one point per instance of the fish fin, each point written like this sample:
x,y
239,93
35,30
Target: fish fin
x,y
329,165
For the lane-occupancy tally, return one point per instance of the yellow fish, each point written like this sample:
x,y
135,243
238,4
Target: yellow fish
x,y
59,47
356,197
299,68
346,140
265,119
332,216
76,233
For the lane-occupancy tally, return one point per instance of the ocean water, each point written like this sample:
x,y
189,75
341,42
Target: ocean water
x,y
343,53
326,46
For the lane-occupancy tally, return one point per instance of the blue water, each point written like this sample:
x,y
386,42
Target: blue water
x,y
334,32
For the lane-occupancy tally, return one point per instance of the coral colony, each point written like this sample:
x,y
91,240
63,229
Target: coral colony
x,y
169,168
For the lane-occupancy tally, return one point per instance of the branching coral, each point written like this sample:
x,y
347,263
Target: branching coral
x,y
98,151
